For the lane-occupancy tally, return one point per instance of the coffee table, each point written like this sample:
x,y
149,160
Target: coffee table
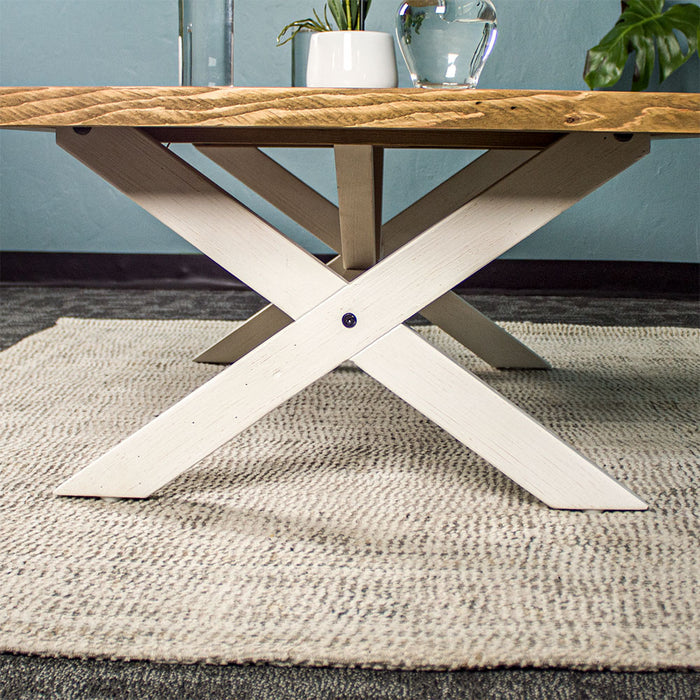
x,y
545,150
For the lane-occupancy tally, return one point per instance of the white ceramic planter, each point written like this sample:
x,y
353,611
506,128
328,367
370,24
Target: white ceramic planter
x,y
351,59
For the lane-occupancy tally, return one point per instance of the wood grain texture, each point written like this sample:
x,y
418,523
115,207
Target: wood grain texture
x,y
669,114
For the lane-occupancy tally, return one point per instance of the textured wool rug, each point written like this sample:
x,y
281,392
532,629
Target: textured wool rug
x,y
344,528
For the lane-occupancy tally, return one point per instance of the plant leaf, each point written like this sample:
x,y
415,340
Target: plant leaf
x,y
341,10
352,8
643,28
338,11
367,4
688,24
315,24
644,58
349,9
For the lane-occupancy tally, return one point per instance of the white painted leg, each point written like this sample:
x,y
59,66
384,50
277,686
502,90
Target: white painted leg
x,y
203,214
258,328
216,412
450,312
380,298
283,190
459,189
480,334
359,171
499,431
357,229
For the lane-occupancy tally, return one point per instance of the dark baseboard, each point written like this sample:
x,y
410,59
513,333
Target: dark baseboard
x,y
547,277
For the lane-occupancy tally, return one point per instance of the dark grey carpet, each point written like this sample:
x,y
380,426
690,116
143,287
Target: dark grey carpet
x,y
25,310
28,310
28,677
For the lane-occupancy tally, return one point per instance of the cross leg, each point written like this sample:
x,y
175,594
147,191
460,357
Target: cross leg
x,y
354,230
380,299
304,205
450,312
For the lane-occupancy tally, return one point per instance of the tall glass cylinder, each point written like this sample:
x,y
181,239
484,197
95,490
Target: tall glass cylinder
x,y
206,42
300,56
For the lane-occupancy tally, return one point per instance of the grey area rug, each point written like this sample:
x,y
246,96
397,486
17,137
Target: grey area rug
x,y
344,528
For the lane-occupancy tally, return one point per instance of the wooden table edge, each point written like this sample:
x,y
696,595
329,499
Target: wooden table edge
x,y
392,116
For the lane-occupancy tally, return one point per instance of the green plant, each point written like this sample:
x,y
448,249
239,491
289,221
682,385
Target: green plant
x,y
647,31
412,22
347,14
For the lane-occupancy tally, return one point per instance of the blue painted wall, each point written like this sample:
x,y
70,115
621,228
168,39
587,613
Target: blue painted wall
x,y
48,202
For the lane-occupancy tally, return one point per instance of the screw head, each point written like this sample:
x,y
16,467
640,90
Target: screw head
x,y
82,130
349,320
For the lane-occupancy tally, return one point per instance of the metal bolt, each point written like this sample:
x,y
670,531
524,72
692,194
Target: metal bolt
x,y
82,130
349,320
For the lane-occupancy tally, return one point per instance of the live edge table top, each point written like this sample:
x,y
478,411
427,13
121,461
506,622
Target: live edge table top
x,y
383,117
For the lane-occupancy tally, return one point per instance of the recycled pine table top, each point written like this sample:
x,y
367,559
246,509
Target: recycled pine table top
x,y
388,117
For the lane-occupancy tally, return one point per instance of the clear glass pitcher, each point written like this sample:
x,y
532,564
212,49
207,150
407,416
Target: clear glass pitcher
x,y
206,42
445,43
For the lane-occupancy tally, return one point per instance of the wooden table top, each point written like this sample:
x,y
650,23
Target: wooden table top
x,y
390,117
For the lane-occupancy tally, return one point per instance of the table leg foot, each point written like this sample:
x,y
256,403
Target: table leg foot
x,y
488,423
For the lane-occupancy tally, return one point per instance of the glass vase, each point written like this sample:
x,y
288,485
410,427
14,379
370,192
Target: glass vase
x,y
445,43
206,42
300,56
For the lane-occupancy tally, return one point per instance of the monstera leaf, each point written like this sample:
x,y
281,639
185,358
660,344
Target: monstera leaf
x,y
645,29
